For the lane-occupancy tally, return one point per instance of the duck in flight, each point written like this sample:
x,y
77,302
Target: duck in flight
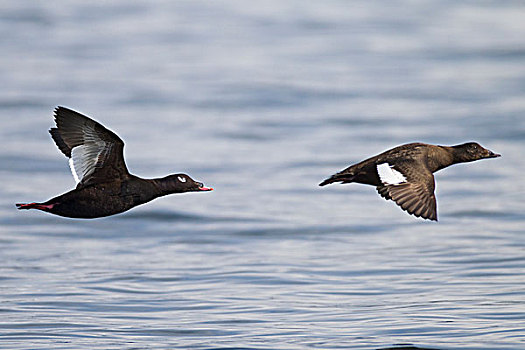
x,y
104,185
404,173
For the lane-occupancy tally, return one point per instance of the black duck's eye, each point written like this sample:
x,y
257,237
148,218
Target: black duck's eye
x,y
181,178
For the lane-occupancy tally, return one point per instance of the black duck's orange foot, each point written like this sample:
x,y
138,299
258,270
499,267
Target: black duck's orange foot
x,y
34,206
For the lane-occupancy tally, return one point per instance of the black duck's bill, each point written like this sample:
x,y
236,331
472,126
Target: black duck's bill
x,y
204,188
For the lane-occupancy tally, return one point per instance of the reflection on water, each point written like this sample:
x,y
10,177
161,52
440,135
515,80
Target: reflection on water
x,y
263,102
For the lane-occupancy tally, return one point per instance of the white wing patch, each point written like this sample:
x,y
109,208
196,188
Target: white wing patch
x,y
84,158
72,167
389,175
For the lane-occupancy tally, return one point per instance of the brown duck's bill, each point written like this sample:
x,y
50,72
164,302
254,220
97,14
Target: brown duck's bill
x,y
493,155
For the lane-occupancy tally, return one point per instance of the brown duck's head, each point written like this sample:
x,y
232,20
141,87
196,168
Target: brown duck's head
x,y
179,183
471,151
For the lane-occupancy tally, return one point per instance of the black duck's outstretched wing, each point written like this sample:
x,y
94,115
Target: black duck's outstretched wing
x,y
95,153
411,186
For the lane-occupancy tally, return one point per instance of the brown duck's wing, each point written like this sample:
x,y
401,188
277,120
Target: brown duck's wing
x,y
411,186
95,153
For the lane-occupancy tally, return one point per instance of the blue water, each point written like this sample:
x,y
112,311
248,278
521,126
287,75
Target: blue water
x,y
262,101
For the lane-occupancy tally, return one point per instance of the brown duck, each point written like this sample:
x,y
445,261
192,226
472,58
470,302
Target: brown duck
x,y
104,185
404,173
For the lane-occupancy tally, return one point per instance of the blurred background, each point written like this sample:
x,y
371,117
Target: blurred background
x,y
262,101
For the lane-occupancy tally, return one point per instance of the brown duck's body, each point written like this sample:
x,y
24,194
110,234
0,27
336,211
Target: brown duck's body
x,y
404,173
433,158
105,187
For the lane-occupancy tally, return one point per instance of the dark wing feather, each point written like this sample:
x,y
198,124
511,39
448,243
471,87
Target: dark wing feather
x,y
416,195
96,153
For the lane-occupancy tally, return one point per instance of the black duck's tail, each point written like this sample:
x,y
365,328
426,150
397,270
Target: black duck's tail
x,y
39,206
26,205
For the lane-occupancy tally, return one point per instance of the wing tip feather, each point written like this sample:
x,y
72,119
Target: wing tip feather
x,y
412,200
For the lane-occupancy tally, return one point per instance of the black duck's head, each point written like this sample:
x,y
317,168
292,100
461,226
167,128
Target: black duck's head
x,y
179,183
471,151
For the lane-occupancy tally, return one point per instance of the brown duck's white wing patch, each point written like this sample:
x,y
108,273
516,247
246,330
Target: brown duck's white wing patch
x,y
389,175
95,153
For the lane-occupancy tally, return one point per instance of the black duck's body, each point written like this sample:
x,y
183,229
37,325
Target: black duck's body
x,y
104,199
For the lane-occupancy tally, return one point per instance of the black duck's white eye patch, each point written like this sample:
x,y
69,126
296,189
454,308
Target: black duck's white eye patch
x,y
181,178
388,175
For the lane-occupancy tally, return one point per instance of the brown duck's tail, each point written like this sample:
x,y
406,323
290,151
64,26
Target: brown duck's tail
x,y
343,178
327,181
39,206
